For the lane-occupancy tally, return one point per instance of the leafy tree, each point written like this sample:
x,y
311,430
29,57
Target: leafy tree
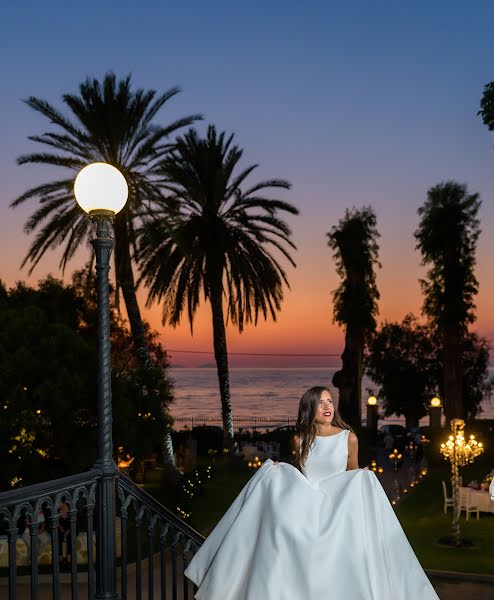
x,y
402,360
112,123
46,397
487,106
405,360
47,384
447,237
3,294
477,385
218,243
355,248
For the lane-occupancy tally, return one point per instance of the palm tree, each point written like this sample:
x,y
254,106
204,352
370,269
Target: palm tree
x,y
447,238
109,123
355,248
218,242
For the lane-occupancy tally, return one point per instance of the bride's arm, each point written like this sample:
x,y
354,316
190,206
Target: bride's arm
x,y
296,451
352,452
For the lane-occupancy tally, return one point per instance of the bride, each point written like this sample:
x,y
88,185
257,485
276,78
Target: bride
x,y
321,530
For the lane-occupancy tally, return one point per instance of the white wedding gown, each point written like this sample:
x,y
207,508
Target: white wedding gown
x,y
327,534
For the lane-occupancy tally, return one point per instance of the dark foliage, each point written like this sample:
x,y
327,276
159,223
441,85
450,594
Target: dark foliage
x,y
402,360
47,383
354,244
405,360
447,238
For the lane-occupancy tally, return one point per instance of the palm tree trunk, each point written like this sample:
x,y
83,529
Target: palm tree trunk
x,y
452,374
349,379
221,357
125,275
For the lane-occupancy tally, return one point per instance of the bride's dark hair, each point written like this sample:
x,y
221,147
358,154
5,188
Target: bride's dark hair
x,y
306,425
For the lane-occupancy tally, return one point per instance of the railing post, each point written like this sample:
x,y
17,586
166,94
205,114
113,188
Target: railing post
x,y
12,537
105,498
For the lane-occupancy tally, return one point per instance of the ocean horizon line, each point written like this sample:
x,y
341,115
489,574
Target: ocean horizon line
x,y
213,368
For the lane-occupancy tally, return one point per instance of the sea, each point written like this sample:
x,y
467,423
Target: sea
x,y
256,393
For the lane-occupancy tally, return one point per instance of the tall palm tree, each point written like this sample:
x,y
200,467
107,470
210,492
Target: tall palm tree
x,y
447,239
111,123
355,248
219,242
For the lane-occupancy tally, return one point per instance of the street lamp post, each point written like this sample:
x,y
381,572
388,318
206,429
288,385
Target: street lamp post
x,y
435,413
372,414
101,191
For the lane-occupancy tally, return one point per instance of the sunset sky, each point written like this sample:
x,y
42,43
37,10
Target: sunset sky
x,y
355,103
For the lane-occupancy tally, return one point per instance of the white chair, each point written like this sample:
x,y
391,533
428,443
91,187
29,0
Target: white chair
x,y
467,502
447,501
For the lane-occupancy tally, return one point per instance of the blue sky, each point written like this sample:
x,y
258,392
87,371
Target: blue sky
x,y
355,103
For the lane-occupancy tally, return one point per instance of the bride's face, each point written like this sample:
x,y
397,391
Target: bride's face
x,y
325,409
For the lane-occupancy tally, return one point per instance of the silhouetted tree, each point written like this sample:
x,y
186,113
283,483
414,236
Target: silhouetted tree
x,y
477,385
112,123
218,244
355,248
402,360
487,106
447,238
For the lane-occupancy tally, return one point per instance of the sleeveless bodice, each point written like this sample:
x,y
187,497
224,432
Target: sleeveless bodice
x,y
327,457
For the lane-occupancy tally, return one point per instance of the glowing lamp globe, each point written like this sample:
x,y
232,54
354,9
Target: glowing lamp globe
x,y
101,187
436,402
371,400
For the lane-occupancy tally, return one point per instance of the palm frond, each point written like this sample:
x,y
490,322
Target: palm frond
x,y
215,225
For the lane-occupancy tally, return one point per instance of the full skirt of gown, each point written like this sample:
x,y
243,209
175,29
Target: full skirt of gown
x,y
284,538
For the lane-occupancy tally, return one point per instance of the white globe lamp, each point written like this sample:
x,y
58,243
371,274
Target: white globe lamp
x,y
101,188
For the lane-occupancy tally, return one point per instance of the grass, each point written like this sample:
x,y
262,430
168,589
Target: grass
x,y
221,491
207,508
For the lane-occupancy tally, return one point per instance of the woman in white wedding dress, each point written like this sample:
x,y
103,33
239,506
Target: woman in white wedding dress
x,y
324,532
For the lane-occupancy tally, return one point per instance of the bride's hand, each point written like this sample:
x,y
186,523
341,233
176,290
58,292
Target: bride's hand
x,y
366,468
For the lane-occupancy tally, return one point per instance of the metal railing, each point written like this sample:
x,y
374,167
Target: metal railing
x,y
166,550
238,422
44,525
32,521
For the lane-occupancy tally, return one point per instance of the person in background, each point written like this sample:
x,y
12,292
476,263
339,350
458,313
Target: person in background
x,y
389,443
64,533
44,537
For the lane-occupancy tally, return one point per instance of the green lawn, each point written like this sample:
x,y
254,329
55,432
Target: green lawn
x,y
224,487
208,508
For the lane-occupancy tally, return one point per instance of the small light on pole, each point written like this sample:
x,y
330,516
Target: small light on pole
x,y
101,191
435,412
372,414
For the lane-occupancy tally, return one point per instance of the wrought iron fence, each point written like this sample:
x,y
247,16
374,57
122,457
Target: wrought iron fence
x,y
163,545
238,422
49,534
41,524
